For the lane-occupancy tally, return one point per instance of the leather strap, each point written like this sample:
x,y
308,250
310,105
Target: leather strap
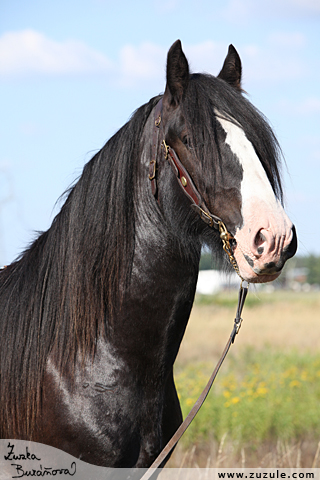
x,y
183,177
193,412
190,189
155,138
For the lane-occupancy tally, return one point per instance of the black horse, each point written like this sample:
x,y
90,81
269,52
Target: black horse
x,y
93,313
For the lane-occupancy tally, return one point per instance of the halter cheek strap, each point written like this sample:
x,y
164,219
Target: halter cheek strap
x,y
188,187
153,162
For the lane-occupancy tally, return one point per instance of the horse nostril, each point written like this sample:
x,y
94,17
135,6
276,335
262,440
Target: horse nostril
x,y
291,249
259,240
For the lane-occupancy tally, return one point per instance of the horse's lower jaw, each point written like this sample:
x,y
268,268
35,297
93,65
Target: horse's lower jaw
x,y
251,273
253,277
259,278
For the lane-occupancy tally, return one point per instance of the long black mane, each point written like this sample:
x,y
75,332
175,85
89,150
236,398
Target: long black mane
x,y
65,288
62,289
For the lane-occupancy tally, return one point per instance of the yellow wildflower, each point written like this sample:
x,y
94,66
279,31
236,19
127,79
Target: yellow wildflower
x,y
261,391
235,400
304,375
294,383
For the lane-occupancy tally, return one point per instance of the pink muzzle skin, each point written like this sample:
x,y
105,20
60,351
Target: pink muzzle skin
x,y
264,243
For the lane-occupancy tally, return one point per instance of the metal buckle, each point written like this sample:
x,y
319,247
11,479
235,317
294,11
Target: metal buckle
x,y
152,175
226,237
205,217
158,121
166,148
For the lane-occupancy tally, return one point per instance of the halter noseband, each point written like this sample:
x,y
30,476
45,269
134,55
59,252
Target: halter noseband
x,y
188,187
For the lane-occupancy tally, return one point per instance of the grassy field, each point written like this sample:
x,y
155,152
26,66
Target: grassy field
x,y
264,409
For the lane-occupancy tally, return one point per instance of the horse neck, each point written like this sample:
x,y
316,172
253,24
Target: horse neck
x,y
165,266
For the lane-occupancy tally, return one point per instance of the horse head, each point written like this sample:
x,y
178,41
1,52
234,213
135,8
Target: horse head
x,y
232,157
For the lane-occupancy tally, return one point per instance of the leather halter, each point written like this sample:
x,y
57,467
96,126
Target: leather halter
x,y
153,162
186,183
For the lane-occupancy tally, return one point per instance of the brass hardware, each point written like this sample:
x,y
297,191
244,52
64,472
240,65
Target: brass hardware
x,y
158,121
206,217
184,181
153,174
226,237
166,148
237,325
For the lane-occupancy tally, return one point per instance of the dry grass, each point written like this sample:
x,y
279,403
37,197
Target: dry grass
x,y
227,455
285,321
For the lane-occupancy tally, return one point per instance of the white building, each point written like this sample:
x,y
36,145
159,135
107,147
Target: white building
x,y
213,281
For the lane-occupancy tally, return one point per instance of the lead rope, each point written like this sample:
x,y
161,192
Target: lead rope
x,y
243,291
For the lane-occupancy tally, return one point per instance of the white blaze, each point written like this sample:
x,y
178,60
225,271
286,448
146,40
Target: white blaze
x,y
265,223
255,184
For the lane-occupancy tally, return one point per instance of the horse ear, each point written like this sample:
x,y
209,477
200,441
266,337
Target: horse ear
x,y
231,70
177,74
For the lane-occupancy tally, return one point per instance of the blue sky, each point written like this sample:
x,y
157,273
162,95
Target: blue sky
x,y
73,71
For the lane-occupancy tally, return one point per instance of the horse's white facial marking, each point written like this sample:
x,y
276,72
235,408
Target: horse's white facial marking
x,y
255,182
266,229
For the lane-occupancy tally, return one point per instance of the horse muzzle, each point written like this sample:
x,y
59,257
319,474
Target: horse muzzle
x,y
263,260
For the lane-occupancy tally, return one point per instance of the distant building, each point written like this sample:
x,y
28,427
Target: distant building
x,y
214,281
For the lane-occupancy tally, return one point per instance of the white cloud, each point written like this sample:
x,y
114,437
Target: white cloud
x,y
276,61
141,63
263,64
30,52
147,61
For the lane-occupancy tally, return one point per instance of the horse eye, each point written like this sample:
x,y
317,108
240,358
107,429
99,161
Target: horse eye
x,y
185,141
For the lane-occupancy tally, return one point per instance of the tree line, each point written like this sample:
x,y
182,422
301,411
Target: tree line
x,y
307,266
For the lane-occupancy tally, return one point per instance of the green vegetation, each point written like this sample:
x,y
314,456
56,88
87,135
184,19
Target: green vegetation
x,y
229,299
312,264
259,396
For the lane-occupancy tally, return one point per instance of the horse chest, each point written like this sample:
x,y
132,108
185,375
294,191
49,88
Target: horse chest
x,y
95,417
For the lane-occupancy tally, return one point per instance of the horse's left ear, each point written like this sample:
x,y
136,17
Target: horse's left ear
x,y
231,70
177,75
